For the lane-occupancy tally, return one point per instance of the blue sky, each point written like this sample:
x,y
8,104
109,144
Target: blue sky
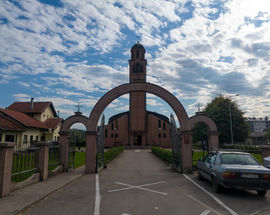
x,y
71,52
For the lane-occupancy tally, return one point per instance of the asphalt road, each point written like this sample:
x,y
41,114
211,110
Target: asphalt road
x,y
139,183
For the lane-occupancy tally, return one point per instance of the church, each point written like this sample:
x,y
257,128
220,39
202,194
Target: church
x,y
138,127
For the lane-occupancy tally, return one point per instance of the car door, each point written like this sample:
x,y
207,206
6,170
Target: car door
x,y
209,165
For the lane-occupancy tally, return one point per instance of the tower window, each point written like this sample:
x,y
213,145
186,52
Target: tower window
x,y
137,54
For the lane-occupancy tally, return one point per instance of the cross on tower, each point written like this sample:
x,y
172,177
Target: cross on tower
x,y
78,112
198,105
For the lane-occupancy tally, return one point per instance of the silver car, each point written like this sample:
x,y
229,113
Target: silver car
x,y
234,170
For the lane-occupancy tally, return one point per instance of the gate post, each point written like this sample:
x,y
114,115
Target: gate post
x,y
91,151
43,159
213,140
6,158
186,151
63,139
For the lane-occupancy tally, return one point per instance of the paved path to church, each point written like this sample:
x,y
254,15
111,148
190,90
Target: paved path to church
x,y
138,183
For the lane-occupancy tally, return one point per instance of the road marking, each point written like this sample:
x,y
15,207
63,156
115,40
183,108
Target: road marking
x,y
205,212
204,205
137,150
140,187
231,211
97,201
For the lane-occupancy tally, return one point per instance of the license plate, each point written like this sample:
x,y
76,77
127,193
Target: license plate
x,y
248,175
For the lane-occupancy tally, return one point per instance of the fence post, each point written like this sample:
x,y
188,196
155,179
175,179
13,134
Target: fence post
x,y
63,140
43,159
6,158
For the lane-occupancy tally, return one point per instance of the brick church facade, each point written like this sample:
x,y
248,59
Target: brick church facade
x,y
137,127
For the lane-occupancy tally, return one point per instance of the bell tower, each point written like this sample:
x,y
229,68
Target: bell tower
x,y
137,100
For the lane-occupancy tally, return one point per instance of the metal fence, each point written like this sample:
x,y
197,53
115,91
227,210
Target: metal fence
x,y
25,163
54,156
198,152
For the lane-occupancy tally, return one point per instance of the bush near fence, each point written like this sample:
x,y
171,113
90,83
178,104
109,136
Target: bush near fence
x,y
164,154
111,154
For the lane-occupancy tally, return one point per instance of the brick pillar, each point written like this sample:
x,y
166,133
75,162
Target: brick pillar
x,y
43,159
265,151
213,140
91,143
63,139
186,147
6,158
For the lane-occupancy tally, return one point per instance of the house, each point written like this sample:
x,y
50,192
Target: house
x,y
26,122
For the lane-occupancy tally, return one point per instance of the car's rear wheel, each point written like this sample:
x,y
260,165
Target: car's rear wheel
x,y
261,192
215,185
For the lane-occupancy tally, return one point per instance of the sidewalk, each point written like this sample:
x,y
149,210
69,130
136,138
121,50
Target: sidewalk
x,y
20,199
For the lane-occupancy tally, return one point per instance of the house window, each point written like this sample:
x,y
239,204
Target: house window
x,y
0,137
164,126
42,138
159,135
36,138
25,139
9,138
159,124
31,139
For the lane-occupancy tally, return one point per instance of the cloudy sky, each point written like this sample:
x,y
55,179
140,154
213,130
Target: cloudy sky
x,y
71,52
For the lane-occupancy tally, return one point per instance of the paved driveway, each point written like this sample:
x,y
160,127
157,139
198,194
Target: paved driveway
x,y
139,183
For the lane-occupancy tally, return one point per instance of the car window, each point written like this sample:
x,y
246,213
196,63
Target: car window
x,y
241,159
210,158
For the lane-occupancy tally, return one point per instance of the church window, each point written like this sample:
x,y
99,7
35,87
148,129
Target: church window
x,y
116,125
159,135
106,133
111,135
137,54
159,124
164,126
116,135
164,135
112,126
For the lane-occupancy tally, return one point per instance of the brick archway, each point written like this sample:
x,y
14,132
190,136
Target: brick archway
x,y
141,87
64,132
212,129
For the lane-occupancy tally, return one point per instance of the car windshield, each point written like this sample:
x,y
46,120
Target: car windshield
x,y
242,159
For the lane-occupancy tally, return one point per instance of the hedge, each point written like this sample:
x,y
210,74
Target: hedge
x,y
110,155
164,154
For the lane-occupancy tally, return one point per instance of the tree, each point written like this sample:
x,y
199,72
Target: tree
x,y
219,111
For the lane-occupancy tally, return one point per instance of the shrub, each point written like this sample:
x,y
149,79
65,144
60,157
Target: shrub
x,y
111,154
164,154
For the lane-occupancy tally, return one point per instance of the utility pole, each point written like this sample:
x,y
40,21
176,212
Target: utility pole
x,y
230,111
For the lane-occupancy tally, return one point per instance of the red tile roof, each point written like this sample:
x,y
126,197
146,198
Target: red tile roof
x,y
7,124
25,107
53,122
24,119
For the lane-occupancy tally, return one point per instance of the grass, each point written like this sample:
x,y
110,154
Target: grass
x,y
79,159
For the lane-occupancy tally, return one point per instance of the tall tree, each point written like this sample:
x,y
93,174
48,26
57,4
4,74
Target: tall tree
x,y
219,110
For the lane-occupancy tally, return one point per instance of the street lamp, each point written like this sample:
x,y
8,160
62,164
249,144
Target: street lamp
x,y
230,111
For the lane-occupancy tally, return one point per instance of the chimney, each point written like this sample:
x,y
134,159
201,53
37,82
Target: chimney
x,y
32,104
